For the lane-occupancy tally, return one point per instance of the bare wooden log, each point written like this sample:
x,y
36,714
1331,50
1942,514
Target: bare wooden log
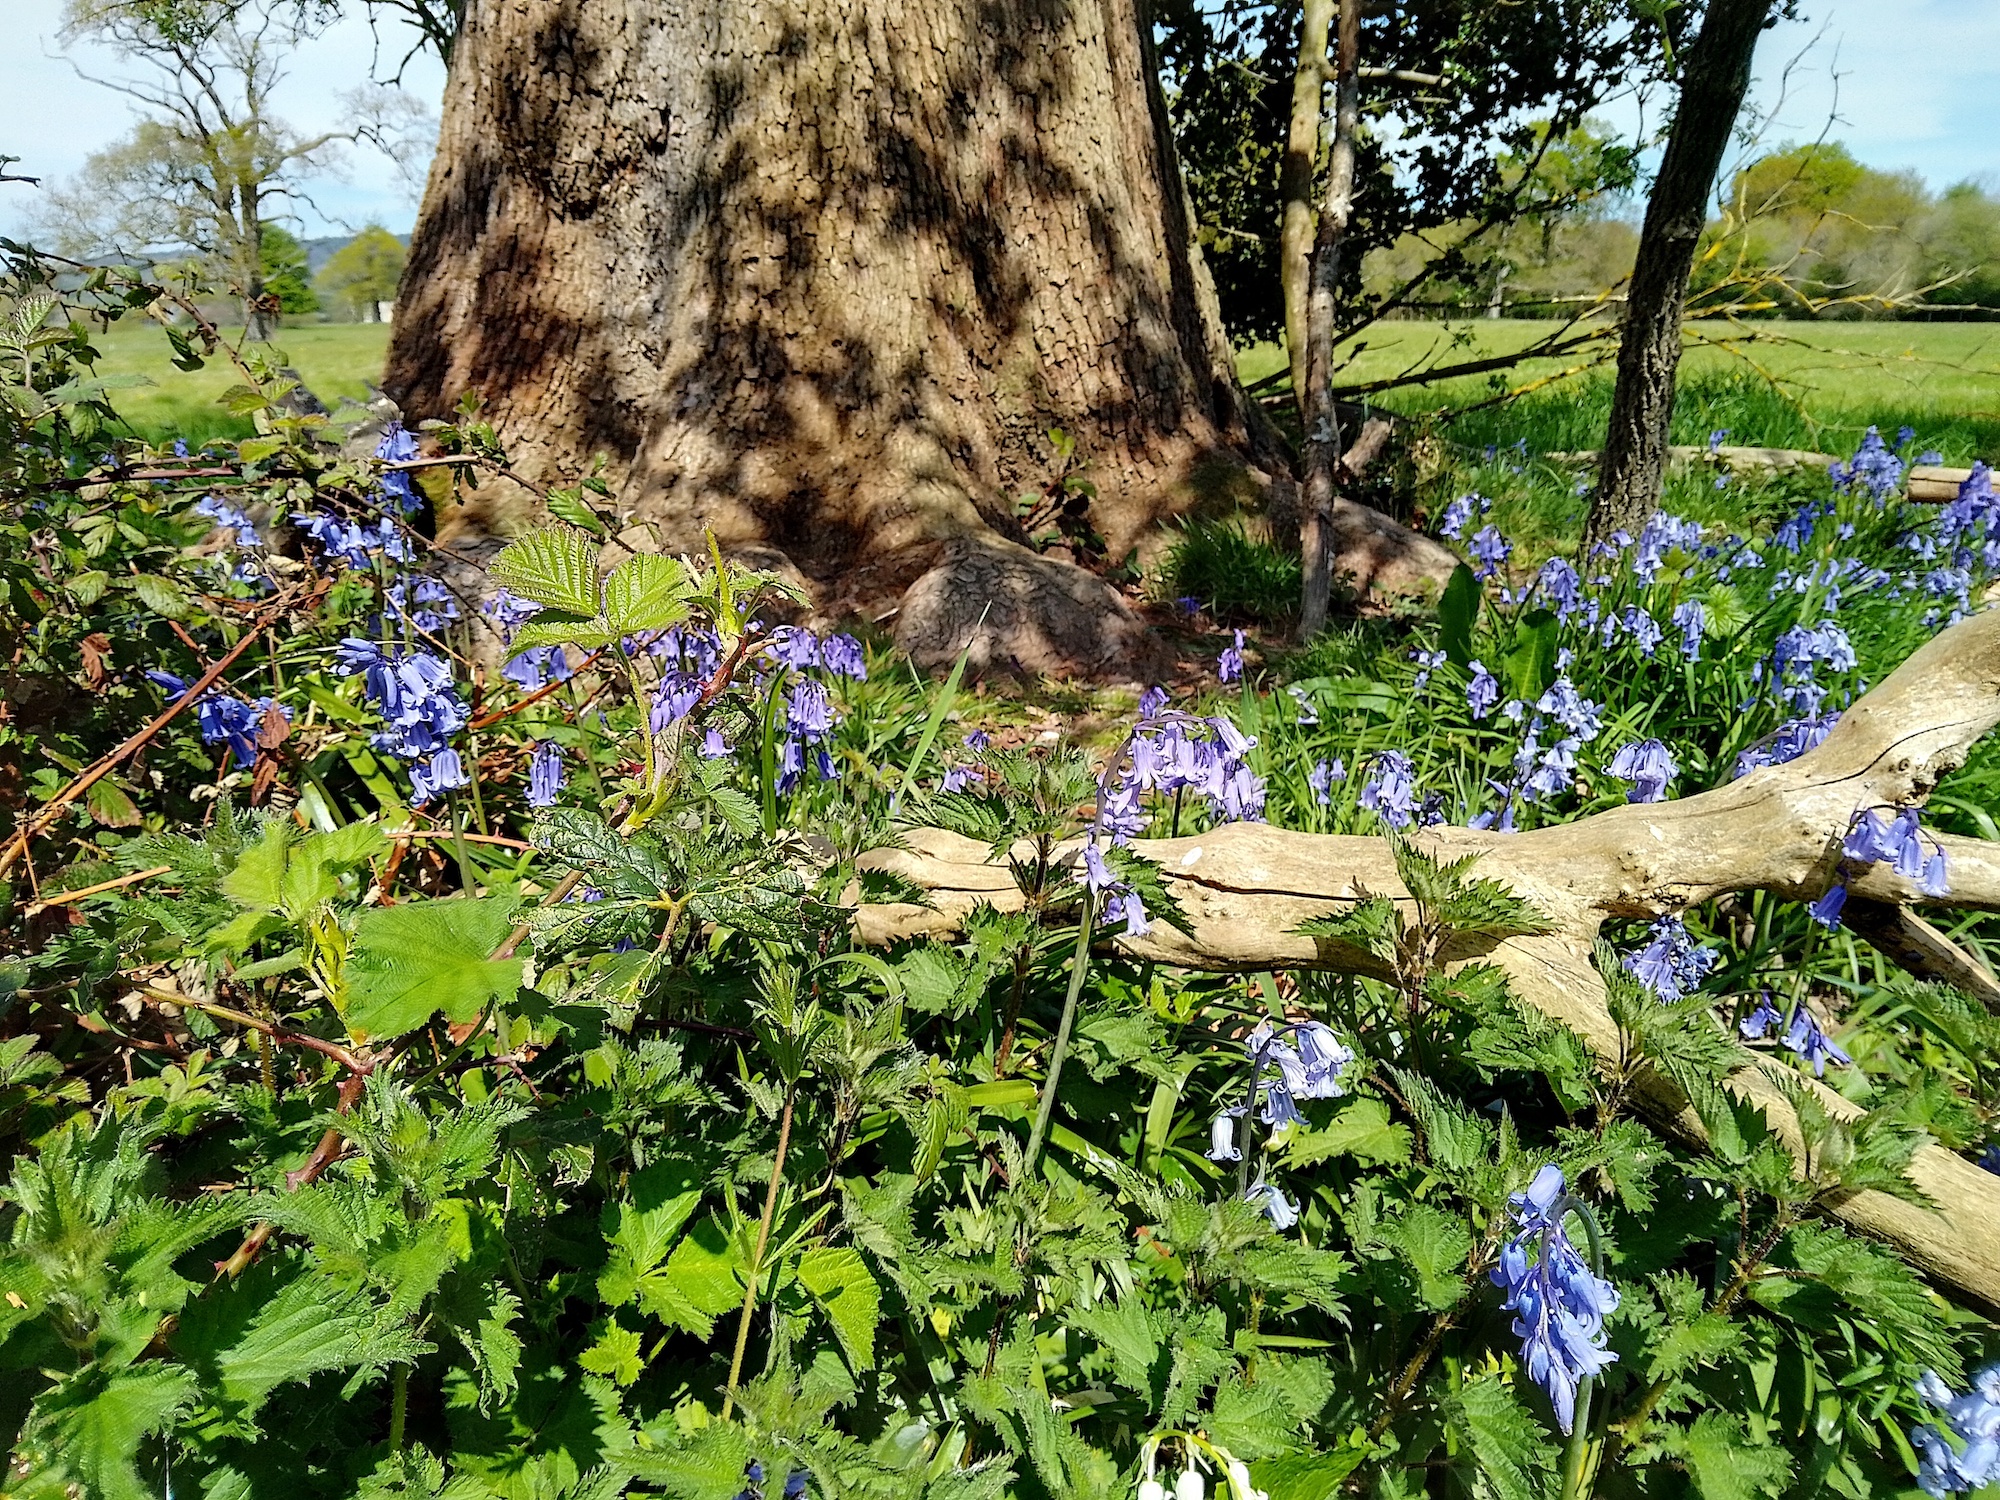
x,y
1902,935
1246,888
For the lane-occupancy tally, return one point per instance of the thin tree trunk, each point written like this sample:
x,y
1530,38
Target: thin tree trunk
x,y
1296,176
1715,77
1322,419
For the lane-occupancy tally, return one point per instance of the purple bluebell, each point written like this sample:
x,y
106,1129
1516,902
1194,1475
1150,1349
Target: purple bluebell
x,y
1455,516
1483,691
442,772
545,774
1672,964
1788,742
398,446
509,613
1152,703
1804,1037
229,518
796,647
1125,905
1874,470
1560,584
1759,1021
1649,766
1489,549
1308,715
795,1485
1690,619
1904,435
1559,1303
1569,708
1826,910
713,745
536,668
1268,1196
1715,439
1642,627
1427,663
1189,605
1900,842
841,655
1322,777
1389,792
1968,1458
1229,665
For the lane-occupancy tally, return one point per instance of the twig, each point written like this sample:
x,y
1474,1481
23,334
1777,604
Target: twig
x,y
64,898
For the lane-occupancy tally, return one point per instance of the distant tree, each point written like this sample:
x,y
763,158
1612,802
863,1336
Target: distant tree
x,y
364,272
284,264
209,167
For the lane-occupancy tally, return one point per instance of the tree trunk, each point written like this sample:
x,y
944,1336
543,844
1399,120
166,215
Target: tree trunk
x,y
822,279
1716,75
1296,175
1316,407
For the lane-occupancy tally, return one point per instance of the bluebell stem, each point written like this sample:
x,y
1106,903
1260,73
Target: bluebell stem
x,y
1559,1303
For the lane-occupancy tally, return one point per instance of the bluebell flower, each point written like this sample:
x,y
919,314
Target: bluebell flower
x,y
536,668
1559,1303
1804,1037
443,772
1324,1057
1322,777
1787,742
545,774
223,719
1649,766
1642,627
1222,1138
1308,714
1456,514
1280,1210
1489,549
1690,619
1826,910
1427,663
1483,691
1760,1020
1561,585
1873,470
1389,792
1152,703
1715,439
229,518
1899,841
398,446
1672,964
795,647
1930,456
795,1484
1904,435
509,613
1969,1458
713,745
1229,665
1189,604
1569,708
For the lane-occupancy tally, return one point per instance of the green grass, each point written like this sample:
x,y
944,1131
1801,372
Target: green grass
x,y
1788,385
335,360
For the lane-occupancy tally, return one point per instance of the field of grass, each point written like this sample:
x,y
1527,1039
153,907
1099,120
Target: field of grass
x,y
335,360
1782,384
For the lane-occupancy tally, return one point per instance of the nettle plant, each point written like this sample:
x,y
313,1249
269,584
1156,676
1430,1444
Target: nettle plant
x,y
485,1090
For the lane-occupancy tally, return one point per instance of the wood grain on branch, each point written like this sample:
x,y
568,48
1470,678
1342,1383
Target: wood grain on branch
x,y
1245,889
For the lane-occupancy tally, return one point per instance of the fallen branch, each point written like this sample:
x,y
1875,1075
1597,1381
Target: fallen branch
x,y
1246,888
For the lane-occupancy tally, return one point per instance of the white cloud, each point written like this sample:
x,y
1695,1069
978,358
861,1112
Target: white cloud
x,y
54,119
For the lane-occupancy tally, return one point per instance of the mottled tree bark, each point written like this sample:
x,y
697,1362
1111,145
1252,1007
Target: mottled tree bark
x,y
821,276
1316,406
1715,77
1296,175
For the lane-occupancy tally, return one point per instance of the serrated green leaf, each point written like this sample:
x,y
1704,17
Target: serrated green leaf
x,y
1515,1456
615,1355
162,596
1362,1128
91,1425
414,960
1434,1245
555,566
647,591
1373,925
1724,1461
840,1282
568,505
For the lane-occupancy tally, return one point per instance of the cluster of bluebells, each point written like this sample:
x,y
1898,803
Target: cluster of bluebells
x,y
1281,1072
412,690
1672,964
1969,1458
1172,753
1802,1034
1874,471
1894,838
246,563
753,1483
223,719
1559,1303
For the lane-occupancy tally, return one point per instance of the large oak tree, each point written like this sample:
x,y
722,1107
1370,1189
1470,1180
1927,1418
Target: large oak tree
x,y
823,277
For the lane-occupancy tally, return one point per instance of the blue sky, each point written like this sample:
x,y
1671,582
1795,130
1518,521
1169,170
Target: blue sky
x,y
1912,84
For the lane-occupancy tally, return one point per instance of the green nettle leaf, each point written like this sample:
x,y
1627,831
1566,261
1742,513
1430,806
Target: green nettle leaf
x,y
414,960
91,1425
840,1282
1724,1461
1435,1245
615,1355
1130,1334
1362,1129
1306,1476
647,591
700,1282
555,566
1372,925
1510,1443
709,1466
